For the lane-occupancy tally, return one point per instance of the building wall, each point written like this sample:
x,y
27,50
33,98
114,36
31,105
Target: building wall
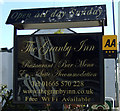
x,y
0,78
6,69
0,68
109,78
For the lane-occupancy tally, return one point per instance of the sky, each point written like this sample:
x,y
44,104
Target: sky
x,y
6,31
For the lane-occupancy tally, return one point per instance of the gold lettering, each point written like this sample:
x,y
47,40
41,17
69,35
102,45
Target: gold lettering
x,y
85,47
28,64
78,84
45,99
90,12
29,91
64,64
26,98
72,11
60,14
43,14
76,99
100,11
43,73
84,63
28,15
33,99
14,16
53,14
64,48
59,73
78,13
37,15
17,16
89,48
29,47
95,12
22,72
83,12
54,99
82,43
90,91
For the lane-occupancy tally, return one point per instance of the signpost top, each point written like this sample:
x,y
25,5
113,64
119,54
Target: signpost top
x,y
60,17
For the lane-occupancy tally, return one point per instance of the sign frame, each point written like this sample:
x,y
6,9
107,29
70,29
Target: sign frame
x,y
101,71
22,24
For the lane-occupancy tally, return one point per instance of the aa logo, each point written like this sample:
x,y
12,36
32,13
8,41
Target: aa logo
x,y
109,42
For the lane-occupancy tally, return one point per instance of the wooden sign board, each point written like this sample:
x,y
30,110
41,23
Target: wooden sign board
x,y
59,17
59,68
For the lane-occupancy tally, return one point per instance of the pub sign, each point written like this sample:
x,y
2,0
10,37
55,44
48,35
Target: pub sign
x,y
60,68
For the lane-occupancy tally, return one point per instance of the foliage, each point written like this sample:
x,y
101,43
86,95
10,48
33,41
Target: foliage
x,y
7,101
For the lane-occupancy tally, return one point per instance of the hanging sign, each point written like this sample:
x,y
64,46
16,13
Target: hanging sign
x,y
59,14
60,68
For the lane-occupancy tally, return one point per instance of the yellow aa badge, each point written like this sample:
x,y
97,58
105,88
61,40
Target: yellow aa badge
x,y
109,42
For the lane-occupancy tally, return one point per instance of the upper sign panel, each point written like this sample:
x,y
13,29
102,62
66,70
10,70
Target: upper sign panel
x,y
57,15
